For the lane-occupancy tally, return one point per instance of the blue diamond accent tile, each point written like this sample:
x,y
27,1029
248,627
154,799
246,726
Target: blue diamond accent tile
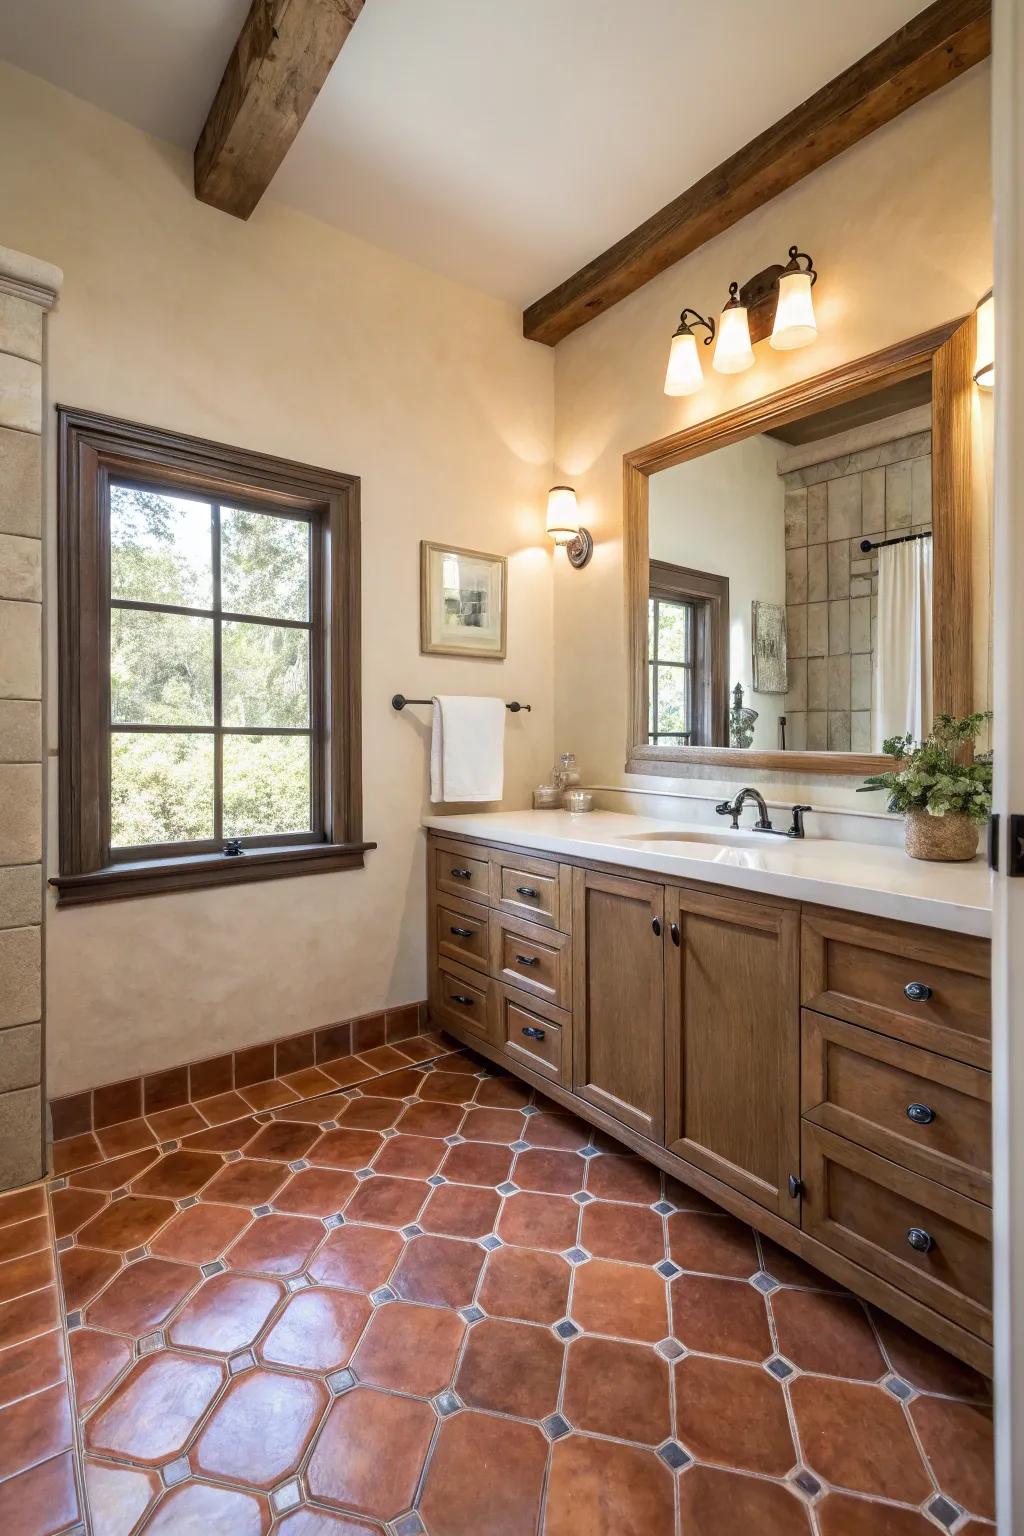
x,y
118,1194
183,1205
135,1254
779,1368
490,1242
530,1109
583,1198
764,1283
175,1471
555,1427
58,1183
670,1349
508,1188
298,1165
214,1268
74,1319
328,1125
364,1173
436,1179
945,1511
243,1361
63,1243
233,1157
663,1207
389,1131
589,1152
673,1455
168,1146
412,1231
337,1220
409,1525
382,1295
261,1210
566,1329
297,1283
898,1388
470,1314
807,1483
668,1269
340,1381
288,1496
152,1342
263,1117
454,1141
446,1403
520,1146
576,1255
483,1076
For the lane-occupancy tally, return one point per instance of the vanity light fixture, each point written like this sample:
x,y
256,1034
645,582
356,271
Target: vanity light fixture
x,y
684,375
733,352
564,525
985,344
795,325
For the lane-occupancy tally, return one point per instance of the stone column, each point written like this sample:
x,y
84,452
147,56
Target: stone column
x,y
28,289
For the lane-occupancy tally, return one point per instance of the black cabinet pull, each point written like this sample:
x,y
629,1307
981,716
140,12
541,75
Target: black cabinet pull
x,y
460,997
795,1186
462,874
674,931
527,891
531,1033
462,933
656,925
527,960
921,1114
920,1240
917,991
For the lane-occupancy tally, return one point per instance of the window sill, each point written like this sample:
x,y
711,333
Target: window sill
x,y
153,877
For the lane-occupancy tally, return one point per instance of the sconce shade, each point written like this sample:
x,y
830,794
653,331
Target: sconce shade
x,y
733,352
563,520
684,375
795,325
985,345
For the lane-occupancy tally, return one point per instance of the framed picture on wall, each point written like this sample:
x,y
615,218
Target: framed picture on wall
x,y
462,601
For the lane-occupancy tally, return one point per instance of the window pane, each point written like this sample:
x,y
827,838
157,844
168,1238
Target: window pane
x,y
652,611
266,785
674,626
161,668
265,675
161,788
160,548
673,713
264,564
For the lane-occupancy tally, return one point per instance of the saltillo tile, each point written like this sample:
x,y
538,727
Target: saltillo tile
x,y
260,1429
48,1489
477,1162
958,1441
217,1511
97,1360
633,1234
513,1368
359,1258
622,1390
30,1366
461,1210
825,1333
409,1348
595,1485
318,1330
315,1192
721,1317
153,1413
227,1313
442,1271
857,1437
354,1465
201,1233
486,1474
712,1499
119,1496
621,1300
142,1296
521,1283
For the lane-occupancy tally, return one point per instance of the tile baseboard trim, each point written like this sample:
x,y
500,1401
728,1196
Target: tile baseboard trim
x,y
111,1103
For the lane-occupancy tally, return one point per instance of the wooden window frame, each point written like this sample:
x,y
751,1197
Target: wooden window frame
x,y
680,584
93,450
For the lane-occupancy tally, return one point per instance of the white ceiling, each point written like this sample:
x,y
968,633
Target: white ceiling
x,y
501,144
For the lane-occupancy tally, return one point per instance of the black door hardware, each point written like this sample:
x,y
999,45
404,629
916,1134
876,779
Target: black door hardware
x,y
462,933
656,925
459,997
921,1114
462,874
527,891
527,960
920,1240
531,1033
917,991
673,929
796,1186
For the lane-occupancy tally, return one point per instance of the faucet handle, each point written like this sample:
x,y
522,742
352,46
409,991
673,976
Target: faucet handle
x,y
797,829
724,808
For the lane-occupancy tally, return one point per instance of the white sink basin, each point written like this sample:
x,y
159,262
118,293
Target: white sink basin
x,y
727,838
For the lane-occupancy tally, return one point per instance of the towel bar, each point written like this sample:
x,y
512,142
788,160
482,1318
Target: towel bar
x,y
399,701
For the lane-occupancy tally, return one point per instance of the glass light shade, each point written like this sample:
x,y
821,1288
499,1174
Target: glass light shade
x,y
985,345
684,375
733,351
563,518
795,325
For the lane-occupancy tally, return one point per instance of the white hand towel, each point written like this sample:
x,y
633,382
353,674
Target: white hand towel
x,y
467,749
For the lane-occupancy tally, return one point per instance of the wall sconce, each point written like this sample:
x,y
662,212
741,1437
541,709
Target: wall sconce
x,y
776,301
985,345
564,525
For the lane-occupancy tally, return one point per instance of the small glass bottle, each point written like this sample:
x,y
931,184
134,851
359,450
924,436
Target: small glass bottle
x,y
568,775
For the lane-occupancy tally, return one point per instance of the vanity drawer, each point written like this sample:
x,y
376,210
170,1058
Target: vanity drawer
x,y
529,888
461,869
926,1112
535,1034
918,984
537,959
870,1209
461,932
465,999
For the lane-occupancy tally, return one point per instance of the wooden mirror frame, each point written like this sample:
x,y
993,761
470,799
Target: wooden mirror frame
x,y
948,354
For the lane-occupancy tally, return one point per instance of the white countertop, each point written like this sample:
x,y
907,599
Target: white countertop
x,y
882,882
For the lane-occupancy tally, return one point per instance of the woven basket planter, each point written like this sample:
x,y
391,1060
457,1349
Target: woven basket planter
x,y
952,838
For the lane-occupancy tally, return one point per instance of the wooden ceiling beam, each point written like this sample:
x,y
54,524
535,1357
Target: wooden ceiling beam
x,y
283,55
933,48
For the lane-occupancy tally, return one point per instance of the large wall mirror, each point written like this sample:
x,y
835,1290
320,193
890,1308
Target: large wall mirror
x,y
798,572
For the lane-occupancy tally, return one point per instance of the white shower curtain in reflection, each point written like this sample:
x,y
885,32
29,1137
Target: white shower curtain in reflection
x,y
903,650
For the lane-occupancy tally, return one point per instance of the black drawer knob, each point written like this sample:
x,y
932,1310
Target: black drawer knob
x,y
921,1114
917,991
527,960
462,933
531,1033
920,1240
673,929
460,997
656,926
527,891
462,874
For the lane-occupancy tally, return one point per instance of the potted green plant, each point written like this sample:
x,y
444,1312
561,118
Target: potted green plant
x,y
945,800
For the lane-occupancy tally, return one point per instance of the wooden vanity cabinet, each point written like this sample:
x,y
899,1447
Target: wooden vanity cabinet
x,y
732,1037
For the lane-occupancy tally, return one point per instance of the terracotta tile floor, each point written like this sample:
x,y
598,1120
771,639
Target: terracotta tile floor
x,y
428,1304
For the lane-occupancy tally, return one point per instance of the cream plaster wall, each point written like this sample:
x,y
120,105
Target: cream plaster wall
x,y
900,228
285,335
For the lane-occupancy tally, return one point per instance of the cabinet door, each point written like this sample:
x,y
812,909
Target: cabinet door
x,y
619,997
732,1018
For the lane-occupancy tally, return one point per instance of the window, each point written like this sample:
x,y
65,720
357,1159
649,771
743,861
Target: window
x,y
688,624
209,624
